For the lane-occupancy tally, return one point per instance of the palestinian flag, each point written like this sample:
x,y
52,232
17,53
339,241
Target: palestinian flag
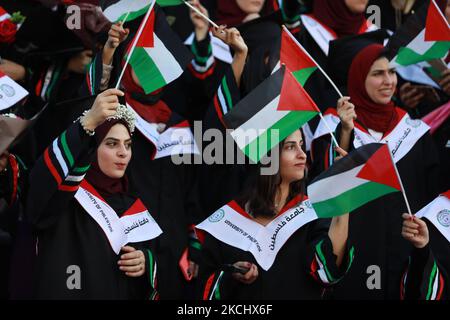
x,y
10,92
117,10
438,213
159,56
424,36
296,58
365,174
268,114
168,3
303,67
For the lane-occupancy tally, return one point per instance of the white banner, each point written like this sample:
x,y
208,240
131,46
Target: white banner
x,y
264,242
10,92
401,140
135,226
438,213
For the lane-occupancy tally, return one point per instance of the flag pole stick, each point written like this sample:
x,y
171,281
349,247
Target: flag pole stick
x,y
125,19
331,131
401,183
144,21
201,14
318,65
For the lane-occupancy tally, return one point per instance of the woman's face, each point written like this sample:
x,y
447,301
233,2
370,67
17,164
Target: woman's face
x,y
250,6
381,81
114,153
293,158
356,6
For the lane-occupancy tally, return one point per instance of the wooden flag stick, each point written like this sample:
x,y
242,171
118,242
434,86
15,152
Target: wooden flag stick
x,y
201,14
318,65
401,183
331,131
144,21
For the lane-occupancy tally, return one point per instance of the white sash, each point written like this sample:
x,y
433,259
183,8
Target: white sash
x,y
146,128
220,49
232,228
136,226
173,141
401,140
320,34
332,121
438,213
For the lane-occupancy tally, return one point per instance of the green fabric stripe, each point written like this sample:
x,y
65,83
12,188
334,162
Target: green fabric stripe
x,y
196,245
217,291
66,149
150,267
226,91
289,19
303,75
53,82
148,73
81,169
198,58
407,56
431,280
133,15
323,260
21,163
167,3
350,258
351,199
259,147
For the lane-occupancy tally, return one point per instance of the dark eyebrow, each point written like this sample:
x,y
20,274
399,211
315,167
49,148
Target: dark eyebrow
x,y
117,140
111,138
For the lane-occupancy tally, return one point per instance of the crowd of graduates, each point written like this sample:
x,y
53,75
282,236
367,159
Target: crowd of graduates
x,y
86,191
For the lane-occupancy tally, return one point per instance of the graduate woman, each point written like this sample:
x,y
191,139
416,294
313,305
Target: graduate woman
x,y
269,244
368,115
92,234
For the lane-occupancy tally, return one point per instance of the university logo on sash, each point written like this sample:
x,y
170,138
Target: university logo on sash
x,y
233,226
438,213
136,224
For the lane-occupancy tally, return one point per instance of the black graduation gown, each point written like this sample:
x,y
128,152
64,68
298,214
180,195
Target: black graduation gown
x,y
222,182
427,274
66,233
375,228
293,275
168,190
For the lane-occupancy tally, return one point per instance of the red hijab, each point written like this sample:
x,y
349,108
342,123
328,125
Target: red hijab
x,y
104,184
336,15
229,13
155,112
378,117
